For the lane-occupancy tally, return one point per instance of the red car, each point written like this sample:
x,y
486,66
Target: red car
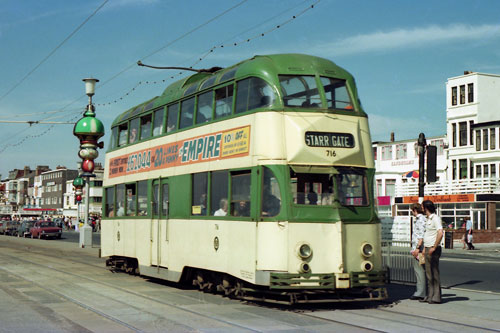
x,y
45,229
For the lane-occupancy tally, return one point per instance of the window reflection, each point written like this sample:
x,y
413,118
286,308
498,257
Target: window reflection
x,y
253,93
300,91
337,96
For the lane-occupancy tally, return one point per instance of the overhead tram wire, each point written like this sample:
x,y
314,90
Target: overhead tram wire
x,y
220,45
149,55
53,51
174,41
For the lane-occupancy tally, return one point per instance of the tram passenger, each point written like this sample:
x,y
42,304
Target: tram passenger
x,y
121,210
133,135
242,208
270,204
222,211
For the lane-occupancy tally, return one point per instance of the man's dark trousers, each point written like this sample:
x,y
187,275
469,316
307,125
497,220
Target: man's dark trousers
x,y
432,274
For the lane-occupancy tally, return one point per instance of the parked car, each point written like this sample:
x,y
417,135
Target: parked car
x,y
45,229
24,228
12,228
4,226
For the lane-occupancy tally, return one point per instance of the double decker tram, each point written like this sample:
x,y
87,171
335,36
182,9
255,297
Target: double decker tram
x,y
255,181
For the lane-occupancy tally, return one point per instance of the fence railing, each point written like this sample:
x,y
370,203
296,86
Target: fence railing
x,y
396,258
462,186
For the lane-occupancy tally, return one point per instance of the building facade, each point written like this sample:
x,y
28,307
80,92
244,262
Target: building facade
x,y
468,158
54,187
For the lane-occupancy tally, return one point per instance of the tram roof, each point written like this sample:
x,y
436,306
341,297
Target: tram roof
x,y
264,66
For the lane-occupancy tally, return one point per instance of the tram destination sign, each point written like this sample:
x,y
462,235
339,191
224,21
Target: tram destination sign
x,y
330,140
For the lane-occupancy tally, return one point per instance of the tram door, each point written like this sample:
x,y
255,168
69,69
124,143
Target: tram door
x,y
159,223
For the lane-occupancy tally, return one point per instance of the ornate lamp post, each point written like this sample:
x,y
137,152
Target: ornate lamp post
x,y
88,130
78,184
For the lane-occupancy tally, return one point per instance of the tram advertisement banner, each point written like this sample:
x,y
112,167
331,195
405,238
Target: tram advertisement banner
x,y
225,144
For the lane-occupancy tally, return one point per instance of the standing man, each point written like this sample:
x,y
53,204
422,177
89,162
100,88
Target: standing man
x,y
468,234
432,251
417,247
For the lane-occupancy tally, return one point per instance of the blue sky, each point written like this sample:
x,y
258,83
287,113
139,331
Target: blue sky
x,y
400,52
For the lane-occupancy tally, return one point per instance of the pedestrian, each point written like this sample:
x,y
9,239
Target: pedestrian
x,y
464,236
468,234
417,247
432,252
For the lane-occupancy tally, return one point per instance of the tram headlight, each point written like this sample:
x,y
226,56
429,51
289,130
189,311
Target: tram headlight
x,y
305,251
366,266
367,249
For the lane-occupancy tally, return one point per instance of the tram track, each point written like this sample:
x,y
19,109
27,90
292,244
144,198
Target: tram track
x,y
193,312
60,261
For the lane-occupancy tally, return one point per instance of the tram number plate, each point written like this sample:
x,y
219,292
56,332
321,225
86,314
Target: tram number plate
x,y
329,140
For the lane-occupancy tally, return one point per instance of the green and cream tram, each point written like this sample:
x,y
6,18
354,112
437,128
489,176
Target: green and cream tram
x,y
254,180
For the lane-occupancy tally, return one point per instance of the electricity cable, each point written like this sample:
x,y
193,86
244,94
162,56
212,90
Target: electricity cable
x,y
52,52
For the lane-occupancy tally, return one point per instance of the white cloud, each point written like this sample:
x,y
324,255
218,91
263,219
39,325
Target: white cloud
x,y
409,38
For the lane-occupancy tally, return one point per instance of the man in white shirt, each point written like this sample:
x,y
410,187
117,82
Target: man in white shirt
x,y
417,245
432,251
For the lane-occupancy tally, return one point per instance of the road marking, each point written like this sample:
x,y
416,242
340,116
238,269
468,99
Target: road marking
x,y
471,260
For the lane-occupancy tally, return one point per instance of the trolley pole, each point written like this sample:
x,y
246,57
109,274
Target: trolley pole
x,y
421,166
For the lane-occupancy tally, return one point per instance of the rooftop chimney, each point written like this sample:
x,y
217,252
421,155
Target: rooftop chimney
x,y
392,136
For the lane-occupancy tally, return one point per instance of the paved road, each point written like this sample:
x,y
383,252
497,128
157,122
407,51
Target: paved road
x,y
472,271
469,270
48,286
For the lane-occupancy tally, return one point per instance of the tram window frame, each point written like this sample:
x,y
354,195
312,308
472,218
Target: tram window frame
x,y
120,200
238,181
164,206
172,117
191,89
131,188
270,194
209,82
186,117
228,75
250,94
201,116
339,86
109,205
155,198
133,131
122,135
158,128
113,140
145,132
199,194
312,95
142,198
219,192
222,96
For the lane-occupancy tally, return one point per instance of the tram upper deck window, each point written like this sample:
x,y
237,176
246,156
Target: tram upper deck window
x,y
187,112
172,115
114,136
158,122
146,126
204,110
122,134
253,93
209,82
223,101
134,131
300,91
337,96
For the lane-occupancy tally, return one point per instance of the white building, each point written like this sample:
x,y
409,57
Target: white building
x,y
468,158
